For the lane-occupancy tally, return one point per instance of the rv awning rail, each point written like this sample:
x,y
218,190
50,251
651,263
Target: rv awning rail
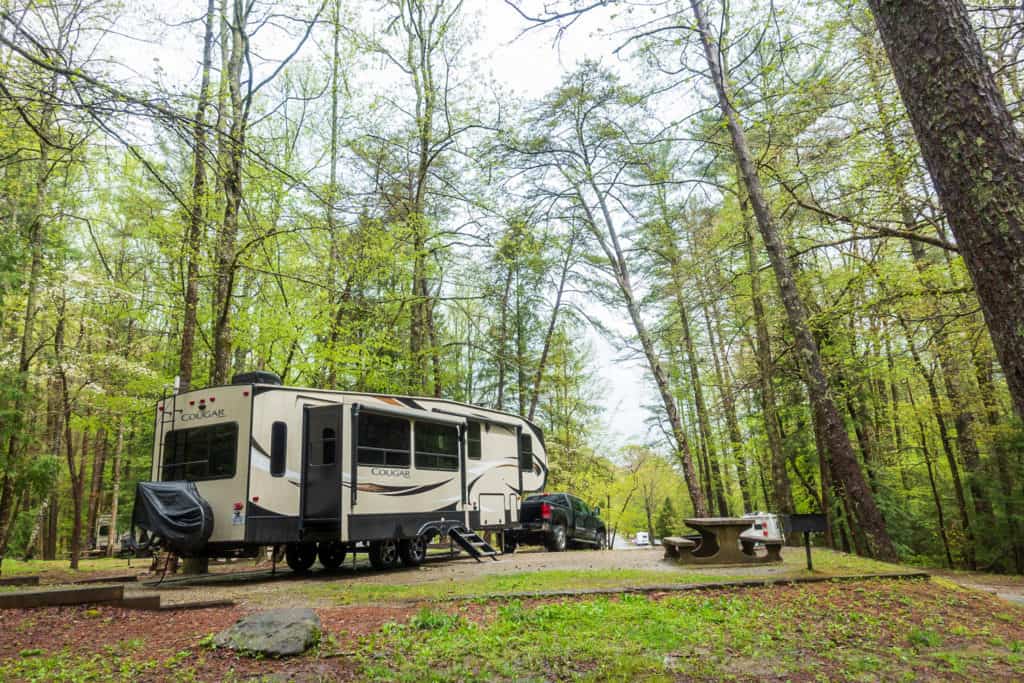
x,y
412,413
476,417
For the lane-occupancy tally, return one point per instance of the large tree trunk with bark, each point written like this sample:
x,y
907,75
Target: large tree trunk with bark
x,y
849,477
973,152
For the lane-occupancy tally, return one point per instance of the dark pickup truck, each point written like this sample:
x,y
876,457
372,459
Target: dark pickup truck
x,y
558,520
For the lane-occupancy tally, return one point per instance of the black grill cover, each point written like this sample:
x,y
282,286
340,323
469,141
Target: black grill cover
x,y
175,512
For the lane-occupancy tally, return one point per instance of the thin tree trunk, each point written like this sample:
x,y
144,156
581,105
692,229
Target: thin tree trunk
x,y
609,241
935,406
552,324
197,213
99,461
115,489
703,424
974,153
729,404
36,246
926,452
850,479
782,494
225,266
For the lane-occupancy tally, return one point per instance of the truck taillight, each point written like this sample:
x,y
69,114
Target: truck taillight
x,y
545,511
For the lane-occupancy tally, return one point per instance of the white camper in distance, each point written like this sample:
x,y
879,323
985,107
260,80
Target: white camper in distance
x,y
319,471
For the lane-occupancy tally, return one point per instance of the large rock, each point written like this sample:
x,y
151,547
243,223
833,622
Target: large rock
x,y
274,633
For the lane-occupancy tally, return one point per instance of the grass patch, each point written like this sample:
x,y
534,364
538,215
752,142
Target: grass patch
x,y
344,593
13,567
835,631
114,662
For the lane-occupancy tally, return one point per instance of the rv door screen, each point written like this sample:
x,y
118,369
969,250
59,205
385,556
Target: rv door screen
x,y
321,468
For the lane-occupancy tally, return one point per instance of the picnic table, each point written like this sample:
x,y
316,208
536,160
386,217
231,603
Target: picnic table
x,y
723,540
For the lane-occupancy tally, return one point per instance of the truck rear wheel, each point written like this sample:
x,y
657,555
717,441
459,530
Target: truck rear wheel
x,y
331,553
556,540
383,554
600,542
300,556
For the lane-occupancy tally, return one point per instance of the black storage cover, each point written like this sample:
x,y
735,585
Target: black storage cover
x,y
174,512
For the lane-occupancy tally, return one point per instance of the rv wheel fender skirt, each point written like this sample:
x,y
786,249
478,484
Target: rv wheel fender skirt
x,y
174,512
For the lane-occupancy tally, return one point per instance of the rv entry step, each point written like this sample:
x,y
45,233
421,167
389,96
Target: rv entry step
x,y
472,543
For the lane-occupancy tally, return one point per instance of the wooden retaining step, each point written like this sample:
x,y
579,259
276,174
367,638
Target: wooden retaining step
x,y
124,578
32,580
146,601
198,604
62,596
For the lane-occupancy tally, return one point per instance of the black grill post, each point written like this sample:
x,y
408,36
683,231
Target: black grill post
x,y
807,525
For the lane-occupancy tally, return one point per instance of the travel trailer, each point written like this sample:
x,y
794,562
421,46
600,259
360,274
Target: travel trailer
x,y
255,463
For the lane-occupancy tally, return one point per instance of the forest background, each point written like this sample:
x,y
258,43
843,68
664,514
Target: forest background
x,y
350,195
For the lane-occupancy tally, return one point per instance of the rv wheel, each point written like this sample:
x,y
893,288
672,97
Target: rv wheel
x,y
300,556
383,554
331,553
413,550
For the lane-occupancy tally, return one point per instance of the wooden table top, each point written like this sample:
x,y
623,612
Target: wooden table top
x,y
719,521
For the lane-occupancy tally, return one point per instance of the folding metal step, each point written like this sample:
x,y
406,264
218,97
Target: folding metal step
x,y
472,543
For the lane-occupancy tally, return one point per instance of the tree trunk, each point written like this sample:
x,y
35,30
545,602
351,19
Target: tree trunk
x,y
935,406
782,494
197,213
36,245
99,461
115,489
703,423
729,405
225,256
552,324
609,241
940,515
850,479
974,154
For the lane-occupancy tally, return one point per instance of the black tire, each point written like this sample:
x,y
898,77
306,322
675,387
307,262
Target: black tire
x,y
413,551
384,554
331,553
300,556
601,541
556,541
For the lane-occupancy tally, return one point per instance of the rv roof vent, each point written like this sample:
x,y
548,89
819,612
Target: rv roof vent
x,y
256,377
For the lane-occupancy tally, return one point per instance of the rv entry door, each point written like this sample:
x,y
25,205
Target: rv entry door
x,y
321,473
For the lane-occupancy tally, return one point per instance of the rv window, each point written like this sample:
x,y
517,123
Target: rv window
x,y
278,448
201,453
473,450
328,440
525,452
383,440
437,446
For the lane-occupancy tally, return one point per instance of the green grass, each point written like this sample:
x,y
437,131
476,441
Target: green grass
x,y
12,567
114,662
831,631
344,593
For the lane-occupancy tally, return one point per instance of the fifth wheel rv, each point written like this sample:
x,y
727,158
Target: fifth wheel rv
x,y
257,464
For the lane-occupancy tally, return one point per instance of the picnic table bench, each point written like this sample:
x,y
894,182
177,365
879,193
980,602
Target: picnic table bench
x,y
674,545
